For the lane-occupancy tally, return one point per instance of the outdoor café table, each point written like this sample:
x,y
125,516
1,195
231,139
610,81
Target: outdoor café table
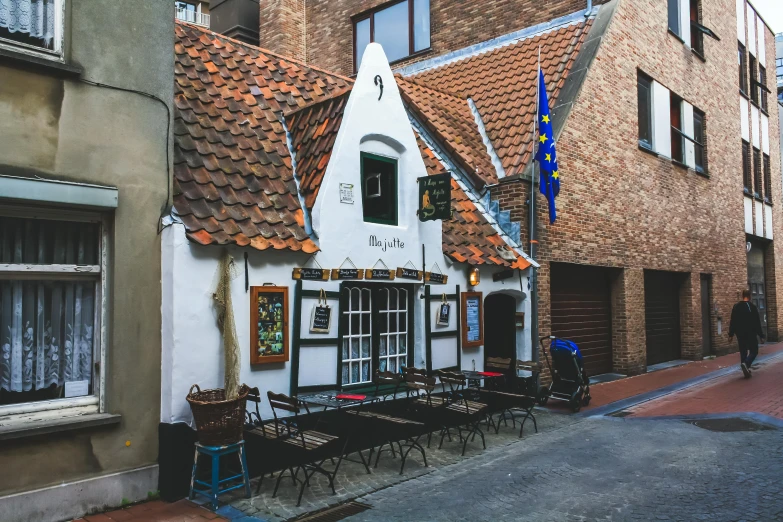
x,y
335,400
474,377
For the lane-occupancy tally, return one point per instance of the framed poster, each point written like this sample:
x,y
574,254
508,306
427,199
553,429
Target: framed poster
x,y
472,319
268,324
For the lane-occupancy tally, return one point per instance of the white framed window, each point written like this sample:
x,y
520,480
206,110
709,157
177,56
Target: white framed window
x,y
52,276
401,27
393,329
357,339
33,27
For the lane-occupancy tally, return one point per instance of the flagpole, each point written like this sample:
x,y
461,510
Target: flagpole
x,y
533,275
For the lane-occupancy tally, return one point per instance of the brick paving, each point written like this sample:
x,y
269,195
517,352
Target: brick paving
x,y
156,511
763,393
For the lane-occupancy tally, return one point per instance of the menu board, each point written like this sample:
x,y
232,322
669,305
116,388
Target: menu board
x,y
472,319
434,197
320,319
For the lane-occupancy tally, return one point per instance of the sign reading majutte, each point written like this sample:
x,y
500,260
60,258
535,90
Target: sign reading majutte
x,y
434,197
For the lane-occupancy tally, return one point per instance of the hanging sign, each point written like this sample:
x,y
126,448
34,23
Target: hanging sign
x,y
348,273
472,320
435,277
378,273
434,197
321,317
409,273
311,274
443,312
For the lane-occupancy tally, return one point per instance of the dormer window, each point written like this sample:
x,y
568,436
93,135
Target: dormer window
x,y
379,189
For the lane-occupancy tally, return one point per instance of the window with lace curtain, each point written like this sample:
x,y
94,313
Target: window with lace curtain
x,y
50,312
32,26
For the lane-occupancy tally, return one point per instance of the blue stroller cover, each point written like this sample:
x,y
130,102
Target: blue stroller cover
x,y
562,344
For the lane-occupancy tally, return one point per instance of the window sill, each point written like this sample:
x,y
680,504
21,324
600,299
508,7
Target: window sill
x,y
648,150
53,67
699,55
18,430
764,111
744,94
677,36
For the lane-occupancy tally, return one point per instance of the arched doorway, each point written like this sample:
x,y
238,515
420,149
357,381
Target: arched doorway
x,y
499,326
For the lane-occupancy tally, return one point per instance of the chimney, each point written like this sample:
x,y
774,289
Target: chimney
x,y
236,19
282,27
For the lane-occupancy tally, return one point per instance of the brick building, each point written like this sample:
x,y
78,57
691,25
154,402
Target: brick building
x,y
666,209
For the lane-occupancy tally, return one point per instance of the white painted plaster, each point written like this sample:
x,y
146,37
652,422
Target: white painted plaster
x,y
759,215
687,128
751,17
754,127
762,46
744,123
765,134
748,205
741,21
768,221
662,142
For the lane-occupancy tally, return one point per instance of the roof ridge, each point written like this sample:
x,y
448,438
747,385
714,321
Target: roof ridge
x,y
264,50
427,87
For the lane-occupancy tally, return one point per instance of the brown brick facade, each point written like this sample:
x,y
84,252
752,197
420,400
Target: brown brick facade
x,y
454,24
624,208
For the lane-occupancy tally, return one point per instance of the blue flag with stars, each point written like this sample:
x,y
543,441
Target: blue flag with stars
x,y
549,177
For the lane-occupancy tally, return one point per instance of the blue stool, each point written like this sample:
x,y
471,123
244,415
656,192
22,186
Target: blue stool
x,y
213,489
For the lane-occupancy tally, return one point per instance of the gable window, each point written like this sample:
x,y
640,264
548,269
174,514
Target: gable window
x,y
50,309
687,134
674,17
747,178
754,75
767,180
678,136
644,90
379,189
685,24
743,69
699,142
376,331
697,36
402,28
763,87
32,26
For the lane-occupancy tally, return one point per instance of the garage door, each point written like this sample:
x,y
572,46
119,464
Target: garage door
x,y
581,311
662,316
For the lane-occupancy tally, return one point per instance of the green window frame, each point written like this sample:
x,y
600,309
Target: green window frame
x,y
369,211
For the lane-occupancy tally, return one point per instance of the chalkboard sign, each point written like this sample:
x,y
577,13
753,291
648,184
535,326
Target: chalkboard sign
x,y
434,277
434,197
378,273
409,273
472,319
347,273
321,319
443,314
311,274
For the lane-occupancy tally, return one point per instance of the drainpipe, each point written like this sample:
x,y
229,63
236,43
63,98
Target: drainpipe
x,y
589,8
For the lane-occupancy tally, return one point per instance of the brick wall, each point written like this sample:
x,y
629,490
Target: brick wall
x,y
282,27
454,24
625,208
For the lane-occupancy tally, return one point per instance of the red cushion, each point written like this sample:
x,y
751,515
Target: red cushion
x,y
351,397
490,374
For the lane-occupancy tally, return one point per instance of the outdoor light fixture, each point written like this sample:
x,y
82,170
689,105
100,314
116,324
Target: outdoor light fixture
x,y
474,278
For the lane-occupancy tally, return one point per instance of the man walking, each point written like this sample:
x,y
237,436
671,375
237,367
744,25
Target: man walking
x,y
746,325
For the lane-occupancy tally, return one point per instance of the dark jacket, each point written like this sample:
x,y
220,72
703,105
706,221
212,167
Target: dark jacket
x,y
745,322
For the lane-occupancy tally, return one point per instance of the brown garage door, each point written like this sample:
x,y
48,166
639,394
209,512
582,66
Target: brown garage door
x,y
662,316
581,312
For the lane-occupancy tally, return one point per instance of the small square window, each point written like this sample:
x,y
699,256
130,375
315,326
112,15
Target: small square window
x,y
379,189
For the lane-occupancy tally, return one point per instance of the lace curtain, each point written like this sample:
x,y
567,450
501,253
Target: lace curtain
x,y
47,326
33,17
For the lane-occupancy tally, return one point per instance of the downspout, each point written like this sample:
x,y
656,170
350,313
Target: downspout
x,y
589,8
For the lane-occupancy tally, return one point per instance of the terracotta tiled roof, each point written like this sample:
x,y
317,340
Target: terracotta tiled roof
x,y
467,236
313,131
233,182
502,84
451,119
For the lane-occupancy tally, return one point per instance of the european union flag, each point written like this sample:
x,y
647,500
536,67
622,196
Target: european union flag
x,y
549,177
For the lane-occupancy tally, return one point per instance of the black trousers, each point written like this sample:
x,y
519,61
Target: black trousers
x,y
748,351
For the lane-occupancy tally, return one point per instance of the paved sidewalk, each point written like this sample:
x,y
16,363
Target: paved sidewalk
x,y
156,511
610,392
763,393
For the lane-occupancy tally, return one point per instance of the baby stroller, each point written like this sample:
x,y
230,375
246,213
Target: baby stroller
x,y
569,379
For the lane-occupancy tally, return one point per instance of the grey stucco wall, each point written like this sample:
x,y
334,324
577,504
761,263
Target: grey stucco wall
x,y
66,129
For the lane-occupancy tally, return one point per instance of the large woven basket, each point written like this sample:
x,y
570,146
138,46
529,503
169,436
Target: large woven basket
x,y
218,422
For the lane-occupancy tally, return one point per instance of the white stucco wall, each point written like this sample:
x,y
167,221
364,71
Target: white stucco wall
x,y
192,348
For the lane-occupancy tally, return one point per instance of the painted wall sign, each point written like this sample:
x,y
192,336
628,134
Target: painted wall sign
x,y
443,314
346,193
378,273
434,197
385,244
434,277
347,273
472,319
311,274
321,318
409,273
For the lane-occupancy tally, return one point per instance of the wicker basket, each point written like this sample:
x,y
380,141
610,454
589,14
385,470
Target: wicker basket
x,y
218,422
